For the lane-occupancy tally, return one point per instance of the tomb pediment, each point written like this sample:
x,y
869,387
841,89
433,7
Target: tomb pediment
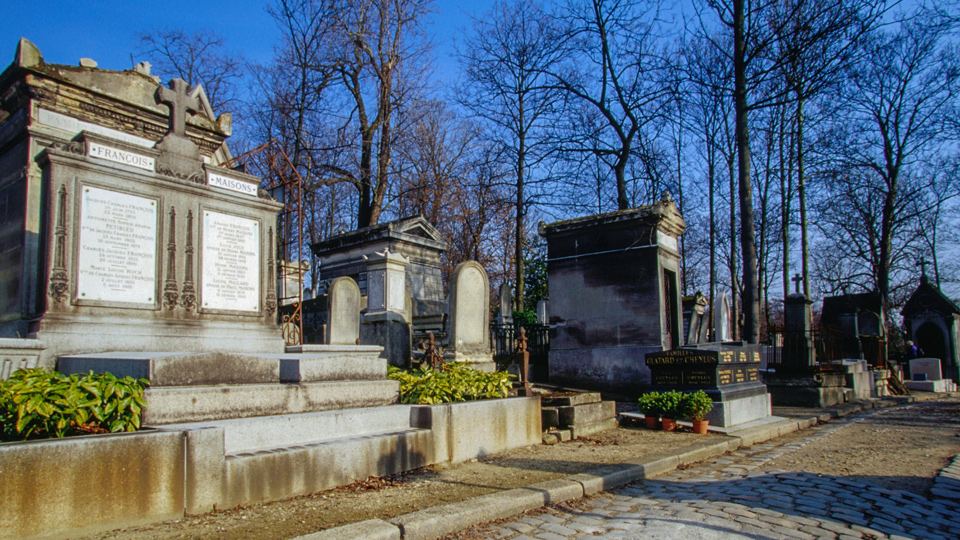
x,y
928,298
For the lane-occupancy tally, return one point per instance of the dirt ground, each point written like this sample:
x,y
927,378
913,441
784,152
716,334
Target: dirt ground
x,y
903,448
393,496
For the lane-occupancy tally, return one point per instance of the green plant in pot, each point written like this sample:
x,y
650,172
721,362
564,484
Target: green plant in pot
x,y
670,409
695,407
650,406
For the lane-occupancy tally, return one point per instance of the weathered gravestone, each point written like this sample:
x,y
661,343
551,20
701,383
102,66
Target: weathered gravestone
x,y
343,301
721,318
543,311
506,305
469,324
796,380
728,373
926,376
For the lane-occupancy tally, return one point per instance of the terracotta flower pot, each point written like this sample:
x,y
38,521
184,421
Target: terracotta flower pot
x,y
652,422
700,426
668,424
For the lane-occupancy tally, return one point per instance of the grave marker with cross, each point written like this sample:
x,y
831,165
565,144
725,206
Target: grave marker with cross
x,y
797,279
180,102
180,157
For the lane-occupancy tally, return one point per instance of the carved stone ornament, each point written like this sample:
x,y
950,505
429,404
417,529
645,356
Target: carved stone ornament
x,y
71,147
196,177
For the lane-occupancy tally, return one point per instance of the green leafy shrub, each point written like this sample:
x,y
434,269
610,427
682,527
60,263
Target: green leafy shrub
x,y
669,404
455,382
38,404
697,405
650,404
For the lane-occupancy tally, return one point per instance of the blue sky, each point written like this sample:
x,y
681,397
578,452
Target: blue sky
x,y
105,30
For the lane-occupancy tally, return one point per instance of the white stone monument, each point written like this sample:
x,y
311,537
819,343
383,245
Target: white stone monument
x,y
721,318
927,376
343,307
506,305
384,322
469,334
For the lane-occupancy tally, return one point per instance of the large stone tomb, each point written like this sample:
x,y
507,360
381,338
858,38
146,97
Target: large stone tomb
x,y
614,297
728,373
141,261
414,238
933,322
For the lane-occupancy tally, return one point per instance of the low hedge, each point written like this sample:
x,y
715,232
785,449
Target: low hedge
x,y
454,382
39,404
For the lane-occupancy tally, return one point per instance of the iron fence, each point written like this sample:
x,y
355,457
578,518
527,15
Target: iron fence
x,y
504,339
788,348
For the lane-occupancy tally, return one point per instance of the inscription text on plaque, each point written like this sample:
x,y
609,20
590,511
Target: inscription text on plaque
x,y
231,263
117,259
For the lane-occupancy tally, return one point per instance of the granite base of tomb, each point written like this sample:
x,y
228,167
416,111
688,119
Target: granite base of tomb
x,y
805,389
727,372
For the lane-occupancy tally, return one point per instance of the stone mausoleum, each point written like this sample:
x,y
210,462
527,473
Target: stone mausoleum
x,y
614,295
117,224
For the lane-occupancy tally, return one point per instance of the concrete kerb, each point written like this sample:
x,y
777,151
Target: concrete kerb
x,y
441,520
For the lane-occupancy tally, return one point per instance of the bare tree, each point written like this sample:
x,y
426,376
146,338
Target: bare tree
x,y
504,62
896,102
614,67
198,58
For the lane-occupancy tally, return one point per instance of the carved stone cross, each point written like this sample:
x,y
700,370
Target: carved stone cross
x,y
923,266
181,102
796,279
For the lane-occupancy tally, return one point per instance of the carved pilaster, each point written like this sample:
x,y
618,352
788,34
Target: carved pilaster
x,y
59,289
271,304
170,294
189,297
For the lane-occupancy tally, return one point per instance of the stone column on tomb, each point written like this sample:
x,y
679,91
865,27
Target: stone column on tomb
x,y
798,350
383,322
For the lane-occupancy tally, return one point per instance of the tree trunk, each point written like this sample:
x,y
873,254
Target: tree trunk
x,y
751,329
802,194
521,163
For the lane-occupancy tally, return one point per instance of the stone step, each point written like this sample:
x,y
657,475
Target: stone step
x,y
587,413
280,473
579,398
180,404
265,433
304,364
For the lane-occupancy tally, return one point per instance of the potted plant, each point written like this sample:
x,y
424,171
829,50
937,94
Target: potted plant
x,y
696,406
649,404
670,403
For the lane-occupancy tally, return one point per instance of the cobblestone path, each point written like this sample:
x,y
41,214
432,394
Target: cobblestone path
x,y
735,497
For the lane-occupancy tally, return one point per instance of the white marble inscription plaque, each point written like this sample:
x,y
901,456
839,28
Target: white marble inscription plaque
x,y
116,155
395,290
117,259
231,263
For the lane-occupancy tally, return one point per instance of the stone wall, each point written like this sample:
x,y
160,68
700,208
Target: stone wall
x,y
87,484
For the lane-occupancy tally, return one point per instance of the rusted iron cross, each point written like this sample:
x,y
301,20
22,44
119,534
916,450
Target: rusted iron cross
x,y
181,102
796,279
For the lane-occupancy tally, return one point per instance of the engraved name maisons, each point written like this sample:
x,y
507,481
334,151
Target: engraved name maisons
x,y
117,247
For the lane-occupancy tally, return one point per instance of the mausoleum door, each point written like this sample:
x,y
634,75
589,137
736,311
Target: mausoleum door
x,y
671,311
931,340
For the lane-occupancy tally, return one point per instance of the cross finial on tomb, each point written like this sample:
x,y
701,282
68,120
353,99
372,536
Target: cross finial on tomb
x,y
796,279
181,102
923,266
